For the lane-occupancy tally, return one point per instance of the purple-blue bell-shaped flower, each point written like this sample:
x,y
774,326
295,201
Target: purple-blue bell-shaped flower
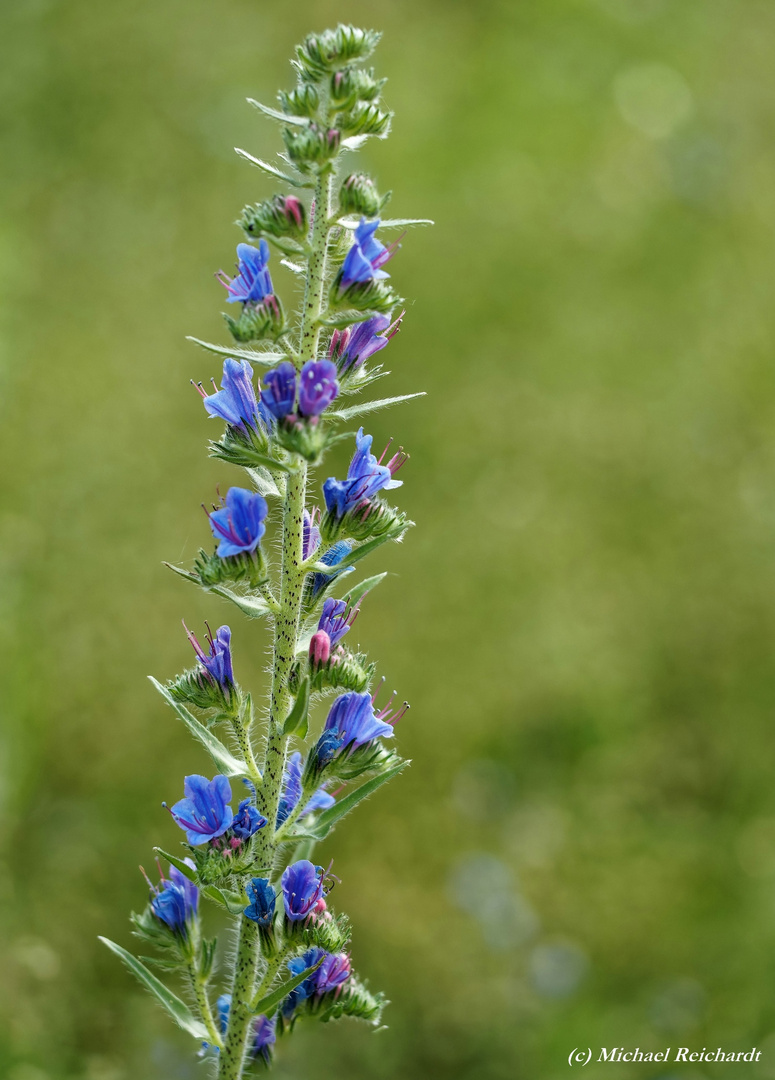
x,y
216,663
236,401
353,719
302,885
252,282
291,792
351,347
279,395
366,257
204,813
261,908
239,523
365,477
332,557
332,973
264,1037
176,902
247,820
337,618
317,387
310,541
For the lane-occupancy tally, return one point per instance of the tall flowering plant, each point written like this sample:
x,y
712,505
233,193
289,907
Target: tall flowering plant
x,y
279,782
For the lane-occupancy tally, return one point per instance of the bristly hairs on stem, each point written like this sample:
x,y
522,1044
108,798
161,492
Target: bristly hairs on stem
x,y
279,407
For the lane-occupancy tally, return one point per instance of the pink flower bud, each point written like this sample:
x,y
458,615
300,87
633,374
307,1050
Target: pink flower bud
x,y
319,648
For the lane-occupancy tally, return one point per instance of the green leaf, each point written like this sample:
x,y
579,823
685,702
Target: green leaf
x,y
267,168
341,319
329,818
253,606
268,1004
371,406
220,754
177,1009
297,722
296,121
387,223
359,553
358,591
255,357
233,902
179,864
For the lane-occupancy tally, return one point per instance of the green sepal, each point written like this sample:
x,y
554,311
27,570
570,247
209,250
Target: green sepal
x,y
357,1001
257,322
272,170
351,671
269,1003
364,296
326,821
365,118
302,101
232,901
383,520
358,194
241,448
329,50
207,957
220,754
371,406
177,1009
275,114
333,935
297,721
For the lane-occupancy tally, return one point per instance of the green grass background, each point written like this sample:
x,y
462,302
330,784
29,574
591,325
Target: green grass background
x,y
583,853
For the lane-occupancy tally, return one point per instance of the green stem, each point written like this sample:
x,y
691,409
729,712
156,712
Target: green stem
x,y
286,628
269,976
232,1055
199,989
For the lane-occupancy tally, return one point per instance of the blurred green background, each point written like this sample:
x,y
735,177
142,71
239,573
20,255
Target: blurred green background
x,y
583,853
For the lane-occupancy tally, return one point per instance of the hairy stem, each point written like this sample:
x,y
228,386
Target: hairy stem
x,y
286,628
199,990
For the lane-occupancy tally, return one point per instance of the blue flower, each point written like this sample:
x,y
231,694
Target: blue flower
x,y
262,906
279,397
351,347
310,533
307,987
337,618
236,401
291,792
365,477
216,663
204,813
247,820
353,721
317,387
176,902
252,283
334,555
264,1037
366,257
223,1005
302,885
239,524
332,973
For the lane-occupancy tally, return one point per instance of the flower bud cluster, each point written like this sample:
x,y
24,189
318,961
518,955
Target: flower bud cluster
x,y
358,195
280,216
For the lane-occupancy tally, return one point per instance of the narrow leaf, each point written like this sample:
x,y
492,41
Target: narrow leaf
x,y
254,355
358,591
297,722
177,1009
266,484
267,168
329,818
179,864
253,606
372,406
268,1004
232,901
222,757
296,121
359,553
386,223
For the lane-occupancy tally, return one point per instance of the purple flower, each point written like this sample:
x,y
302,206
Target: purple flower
x,y
204,813
332,973
336,619
216,663
279,397
317,387
291,792
239,523
311,533
353,720
366,257
262,905
334,555
236,401
351,347
247,820
302,885
264,1037
252,283
365,477
176,901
